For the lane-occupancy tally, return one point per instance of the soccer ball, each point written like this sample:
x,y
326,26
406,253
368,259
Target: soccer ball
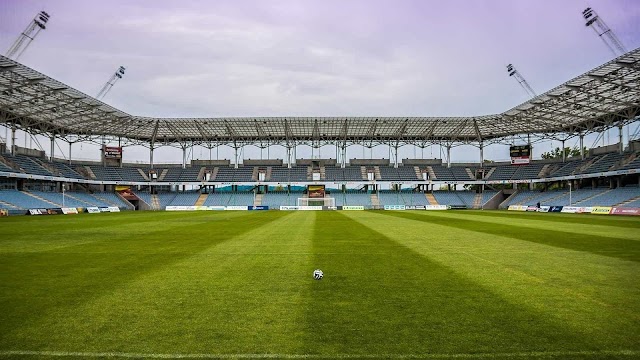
x,y
318,274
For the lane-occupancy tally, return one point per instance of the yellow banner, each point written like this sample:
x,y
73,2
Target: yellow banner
x,y
602,210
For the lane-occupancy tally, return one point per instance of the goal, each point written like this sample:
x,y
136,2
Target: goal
x,y
324,201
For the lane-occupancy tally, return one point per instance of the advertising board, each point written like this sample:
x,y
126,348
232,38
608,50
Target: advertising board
x,y
352,207
601,210
625,211
236,208
517,207
395,207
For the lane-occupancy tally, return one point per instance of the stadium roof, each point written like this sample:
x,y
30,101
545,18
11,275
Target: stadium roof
x,y
606,96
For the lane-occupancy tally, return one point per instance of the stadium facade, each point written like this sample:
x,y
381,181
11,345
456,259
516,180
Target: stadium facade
x,y
607,97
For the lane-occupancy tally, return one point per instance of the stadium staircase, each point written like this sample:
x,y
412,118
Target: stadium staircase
x,y
628,159
103,199
77,199
257,200
376,172
506,201
431,199
375,201
603,194
550,200
201,199
544,171
491,171
477,201
254,173
323,175
432,174
363,173
163,174
629,201
214,173
6,205
89,172
47,167
155,202
581,168
8,163
469,173
144,176
418,172
40,198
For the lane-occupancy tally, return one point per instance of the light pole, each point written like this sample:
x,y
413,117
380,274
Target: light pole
x,y
570,202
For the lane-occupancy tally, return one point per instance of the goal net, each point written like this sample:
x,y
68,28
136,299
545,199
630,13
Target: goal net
x,y
324,201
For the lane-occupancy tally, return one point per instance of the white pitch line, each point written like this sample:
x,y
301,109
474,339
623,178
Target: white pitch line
x,y
633,353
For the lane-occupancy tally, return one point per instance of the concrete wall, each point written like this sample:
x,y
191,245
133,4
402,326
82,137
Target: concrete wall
x,y
268,162
370,162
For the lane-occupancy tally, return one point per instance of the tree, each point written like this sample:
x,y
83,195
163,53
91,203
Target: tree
x,y
557,153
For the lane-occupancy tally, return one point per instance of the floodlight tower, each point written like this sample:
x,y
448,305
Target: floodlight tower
x,y
28,35
604,32
109,84
525,85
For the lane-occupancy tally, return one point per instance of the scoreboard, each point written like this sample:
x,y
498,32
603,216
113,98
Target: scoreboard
x,y
520,154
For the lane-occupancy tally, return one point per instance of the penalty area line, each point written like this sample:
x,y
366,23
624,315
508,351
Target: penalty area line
x,y
630,353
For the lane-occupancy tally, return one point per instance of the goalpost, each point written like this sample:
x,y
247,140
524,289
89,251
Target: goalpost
x,y
323,201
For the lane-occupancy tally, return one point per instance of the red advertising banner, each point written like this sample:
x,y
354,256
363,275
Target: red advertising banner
x,y
625,211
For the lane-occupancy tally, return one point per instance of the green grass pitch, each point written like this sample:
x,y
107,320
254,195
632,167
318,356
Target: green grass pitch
x,y
404,284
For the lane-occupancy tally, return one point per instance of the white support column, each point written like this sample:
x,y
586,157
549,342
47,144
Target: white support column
x,y
448,156
70,143
395,162
13,140
621,138
582,146
289,153
151,155
235,165
184,157
564,153
343,163
53,147
481,155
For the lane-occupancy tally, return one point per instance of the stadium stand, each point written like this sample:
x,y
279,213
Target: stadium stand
x,y
29,165
353,198
230,174
185,199
22,200
276,199
229,198
611,197
402,198
111,198
65,171
180,174
285,174
108,173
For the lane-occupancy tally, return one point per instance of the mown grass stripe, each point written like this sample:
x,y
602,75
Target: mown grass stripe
x,y
601,245
617,221
514,355
598,229
422,305
60,280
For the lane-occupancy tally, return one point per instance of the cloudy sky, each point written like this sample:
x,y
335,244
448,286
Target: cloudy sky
x,y
316,58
